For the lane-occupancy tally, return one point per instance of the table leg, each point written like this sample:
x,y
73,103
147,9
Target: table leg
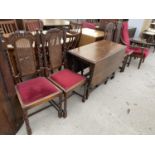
x,y
89,81
124,63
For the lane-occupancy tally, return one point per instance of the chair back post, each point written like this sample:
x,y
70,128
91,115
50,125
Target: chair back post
x,y
44,54
39,51
53,44
109,30
117,33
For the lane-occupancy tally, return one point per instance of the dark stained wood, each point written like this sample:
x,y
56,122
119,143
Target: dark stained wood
x,y
97,51
32,24
10,110
102,57
75,29
8,26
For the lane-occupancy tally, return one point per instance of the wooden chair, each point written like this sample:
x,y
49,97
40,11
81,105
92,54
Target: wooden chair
x,y
8,26
76,28
132,51
65,79
72,40
109,31
31,89
117,33
32,25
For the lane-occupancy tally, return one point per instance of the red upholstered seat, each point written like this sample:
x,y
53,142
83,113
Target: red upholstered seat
x,y
88,25
32,90
126,39
137,50
66,78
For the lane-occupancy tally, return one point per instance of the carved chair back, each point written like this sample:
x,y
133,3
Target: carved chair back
x,y
53,42
25,57
75,27
8,26
33,25
71,40
109,31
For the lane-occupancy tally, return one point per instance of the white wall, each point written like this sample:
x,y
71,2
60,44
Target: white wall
x,y
138,23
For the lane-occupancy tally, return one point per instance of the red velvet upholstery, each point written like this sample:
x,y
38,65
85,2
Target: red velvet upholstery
x,y
88,25
125,34
67,78
126,39
32,90
137,50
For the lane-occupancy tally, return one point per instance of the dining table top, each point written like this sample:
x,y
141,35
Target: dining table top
x,y
97,51
92,32
55,22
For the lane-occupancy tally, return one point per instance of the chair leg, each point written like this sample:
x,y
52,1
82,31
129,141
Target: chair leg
x,y
129,61
87,90
141,59
113,75
124,63
65,106
81,72
105,82
60,112
84,93
28,128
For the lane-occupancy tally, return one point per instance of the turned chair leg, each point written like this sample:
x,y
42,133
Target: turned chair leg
x,y
129,61
65,106
122,69
28,128
84,93
87,90
141,59
60,112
